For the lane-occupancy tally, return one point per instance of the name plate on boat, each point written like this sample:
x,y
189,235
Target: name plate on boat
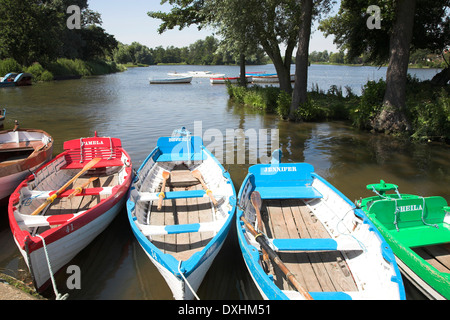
x,y
275,169
179,139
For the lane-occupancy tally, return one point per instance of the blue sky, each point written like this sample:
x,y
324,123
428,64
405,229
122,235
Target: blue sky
x,y
128,21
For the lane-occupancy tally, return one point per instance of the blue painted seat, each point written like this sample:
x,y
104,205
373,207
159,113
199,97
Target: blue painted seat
x,y
284,181
179,149
152,230
330,295
299,192
325,244
152,196
184,194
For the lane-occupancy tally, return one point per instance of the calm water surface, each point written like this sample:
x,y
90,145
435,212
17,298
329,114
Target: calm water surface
x,y
125,106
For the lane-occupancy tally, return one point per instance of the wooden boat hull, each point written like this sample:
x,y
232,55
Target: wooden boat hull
x,y
183,238
324,241
224,80
68,225
417,229
21,151
59,255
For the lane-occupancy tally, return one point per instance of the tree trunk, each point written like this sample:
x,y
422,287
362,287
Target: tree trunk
x,y
392,118
442,78
299,95
283,74
243,79
282,67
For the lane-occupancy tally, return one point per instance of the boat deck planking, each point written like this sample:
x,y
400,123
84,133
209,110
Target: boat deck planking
x,y
69,206
324,271
182,211
436,255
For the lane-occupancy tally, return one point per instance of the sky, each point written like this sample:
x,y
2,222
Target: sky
x,y
128,22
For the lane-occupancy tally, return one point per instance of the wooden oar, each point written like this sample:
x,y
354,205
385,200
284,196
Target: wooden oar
x,y
197,174
162,195
261,239
80,188
50,200
257,202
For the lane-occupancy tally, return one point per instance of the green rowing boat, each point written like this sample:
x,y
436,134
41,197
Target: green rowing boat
x,y
418,231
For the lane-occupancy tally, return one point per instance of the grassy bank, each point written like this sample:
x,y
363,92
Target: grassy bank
x,y
61,68
428,106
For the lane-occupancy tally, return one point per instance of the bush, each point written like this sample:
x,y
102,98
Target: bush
x,y
8,66
370,104
284,104
311,111
39,73
263,98
431,117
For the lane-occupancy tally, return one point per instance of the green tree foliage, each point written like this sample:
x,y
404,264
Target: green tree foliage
x,y
201,52
349,27
36,31
404,25
271,24
28,31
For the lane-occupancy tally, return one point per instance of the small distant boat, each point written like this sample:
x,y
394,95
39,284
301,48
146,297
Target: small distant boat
x,y
21,152
269,78
418,230
60,208
16,80
303,239
174,80
223,80
2,117
255,73
181,206
197,74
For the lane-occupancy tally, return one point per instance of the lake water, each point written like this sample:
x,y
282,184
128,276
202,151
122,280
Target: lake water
x,y
126,106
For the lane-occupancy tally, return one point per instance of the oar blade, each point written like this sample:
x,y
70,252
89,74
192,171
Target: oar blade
x,y
256,199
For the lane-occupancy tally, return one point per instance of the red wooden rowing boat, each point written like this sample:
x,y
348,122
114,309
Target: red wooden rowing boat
x,y
65,204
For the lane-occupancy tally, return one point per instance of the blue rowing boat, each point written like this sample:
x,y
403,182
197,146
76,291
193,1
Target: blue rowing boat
x,y
181,206
303,239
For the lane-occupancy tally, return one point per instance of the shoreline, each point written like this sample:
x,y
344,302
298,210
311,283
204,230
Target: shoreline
x,y
14,289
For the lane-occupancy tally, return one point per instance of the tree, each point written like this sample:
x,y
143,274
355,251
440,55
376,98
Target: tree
x,y
36,30
267,23
299,95
405,25
392,116
28,31
97,43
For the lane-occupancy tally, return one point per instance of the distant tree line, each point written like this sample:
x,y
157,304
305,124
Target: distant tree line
x,y
203,52
419,57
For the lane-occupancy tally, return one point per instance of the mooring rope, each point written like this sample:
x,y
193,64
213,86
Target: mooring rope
x,y
57,294
187,282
